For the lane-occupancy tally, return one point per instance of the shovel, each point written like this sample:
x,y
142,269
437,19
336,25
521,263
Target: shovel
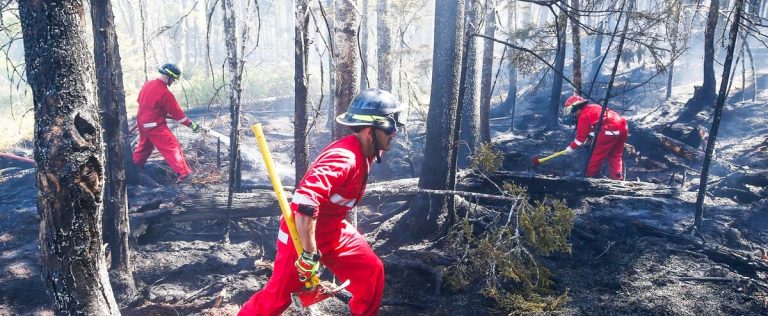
x,y
313,292
537,161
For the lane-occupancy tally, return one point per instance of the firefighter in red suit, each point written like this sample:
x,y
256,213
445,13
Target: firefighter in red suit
x,y
332,186
156,103
610,143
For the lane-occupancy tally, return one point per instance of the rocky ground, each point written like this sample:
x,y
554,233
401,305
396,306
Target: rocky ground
x,y
630,255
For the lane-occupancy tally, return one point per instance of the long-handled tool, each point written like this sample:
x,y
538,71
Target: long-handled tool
x,y
537,161
314,292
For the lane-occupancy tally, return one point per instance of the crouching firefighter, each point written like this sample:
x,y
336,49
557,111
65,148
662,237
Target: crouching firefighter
x,y
610,142
332,186
156,103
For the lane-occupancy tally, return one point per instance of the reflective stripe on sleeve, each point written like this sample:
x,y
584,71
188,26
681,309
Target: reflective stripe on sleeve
x,y
183,119
613,133
577,142
340,200
299,198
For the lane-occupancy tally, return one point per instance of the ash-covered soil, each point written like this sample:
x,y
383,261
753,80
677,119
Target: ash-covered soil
x,y
630,255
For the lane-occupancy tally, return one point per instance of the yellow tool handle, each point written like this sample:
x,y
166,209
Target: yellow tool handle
x,y
277,185
555,155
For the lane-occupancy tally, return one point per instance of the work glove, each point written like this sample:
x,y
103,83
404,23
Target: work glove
x,y
568,150
307,265
196,128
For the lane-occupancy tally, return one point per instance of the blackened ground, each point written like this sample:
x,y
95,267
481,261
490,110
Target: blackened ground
x,y
620,263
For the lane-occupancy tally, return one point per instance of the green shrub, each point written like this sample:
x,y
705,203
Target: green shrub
x,y
502,259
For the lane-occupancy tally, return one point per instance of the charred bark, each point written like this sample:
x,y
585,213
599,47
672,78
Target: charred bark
x,y
704,96
69,156
109,79
347,59
470,115
300,80
235,90
422,219
673,35
718,111
557,79
486,88
364,46
384,51
576,37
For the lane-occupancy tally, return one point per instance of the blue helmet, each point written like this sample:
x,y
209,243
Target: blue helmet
x,y
170,70
374,107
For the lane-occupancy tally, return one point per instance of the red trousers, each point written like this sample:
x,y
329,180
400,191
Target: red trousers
x,y
347,255
610,146
162,138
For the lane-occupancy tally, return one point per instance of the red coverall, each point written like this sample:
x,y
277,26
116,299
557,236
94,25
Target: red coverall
x,y
610,144
156,103
333,185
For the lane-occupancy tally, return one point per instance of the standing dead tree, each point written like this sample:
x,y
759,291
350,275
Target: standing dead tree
x,y
470,115
703,95
422,219
236,63
70,157
557,81
576,37
486,88
718,112
384,47
109,80
300,80
346,55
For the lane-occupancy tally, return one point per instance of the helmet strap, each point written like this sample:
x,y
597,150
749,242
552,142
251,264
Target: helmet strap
x,y
375,144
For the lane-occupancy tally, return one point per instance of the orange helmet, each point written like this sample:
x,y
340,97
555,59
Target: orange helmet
x,y
574,101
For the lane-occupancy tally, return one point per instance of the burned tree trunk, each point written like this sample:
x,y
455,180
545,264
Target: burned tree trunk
x,y
575,35
470,116
347,59
69,156
705,94
109,79
301,105
486,92
597,51
441,119
364,46
557,79
384,51
674,31
718,111
509,104
235,91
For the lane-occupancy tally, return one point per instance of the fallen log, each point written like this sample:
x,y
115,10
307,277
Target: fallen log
x,y
200,206
212,206
541,185
650,143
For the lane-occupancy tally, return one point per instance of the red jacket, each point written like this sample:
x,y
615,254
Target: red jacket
x,y
334,183
613,124
156,103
